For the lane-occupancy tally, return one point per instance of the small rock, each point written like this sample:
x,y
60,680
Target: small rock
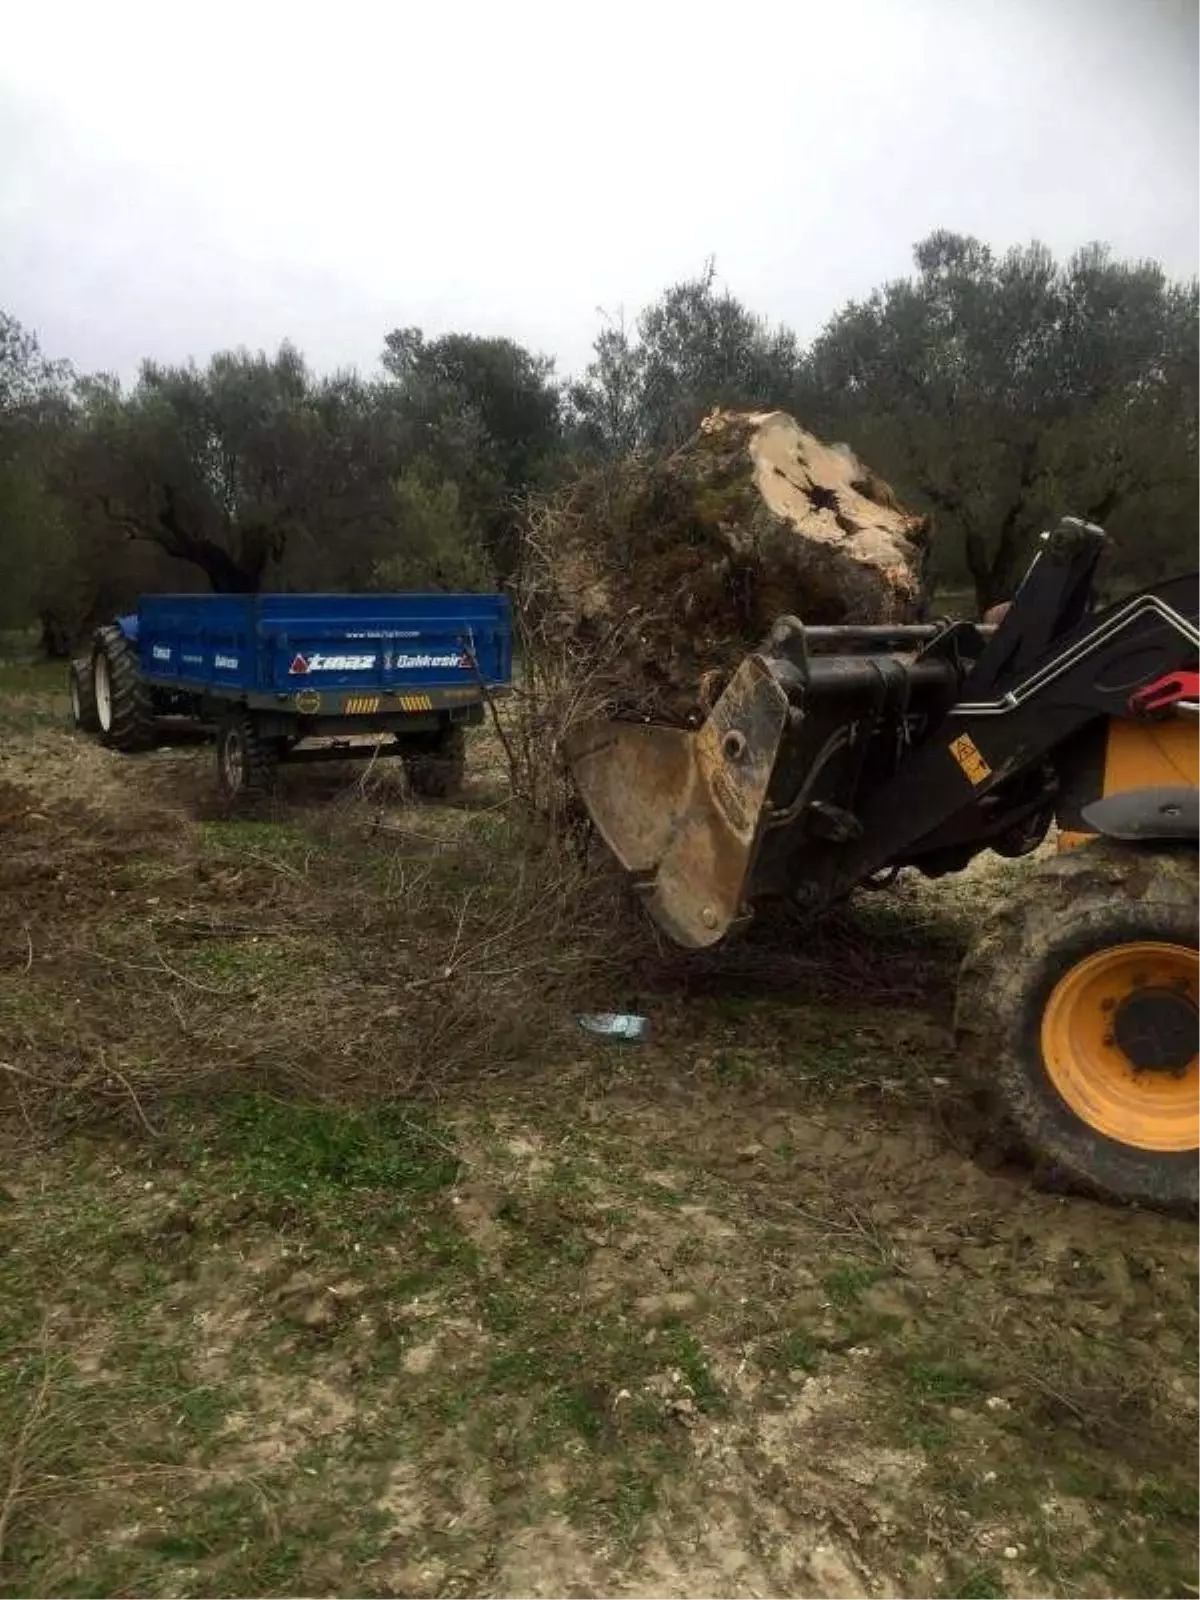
x,y
685,1409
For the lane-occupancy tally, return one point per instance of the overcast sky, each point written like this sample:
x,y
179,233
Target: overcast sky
x,y
176,179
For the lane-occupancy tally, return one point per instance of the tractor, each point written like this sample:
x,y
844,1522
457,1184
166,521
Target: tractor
x,y
838,756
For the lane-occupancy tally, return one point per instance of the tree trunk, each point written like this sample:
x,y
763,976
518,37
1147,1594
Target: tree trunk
x,y
55,642
658,578
980,569
996,577
226,575
996,572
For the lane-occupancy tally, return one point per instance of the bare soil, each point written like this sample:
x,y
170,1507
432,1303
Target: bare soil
x,y
323,1272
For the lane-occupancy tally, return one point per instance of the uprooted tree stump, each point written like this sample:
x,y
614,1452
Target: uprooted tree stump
x,y
650,581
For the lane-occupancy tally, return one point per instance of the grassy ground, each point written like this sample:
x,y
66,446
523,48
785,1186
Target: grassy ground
x,y
334,1258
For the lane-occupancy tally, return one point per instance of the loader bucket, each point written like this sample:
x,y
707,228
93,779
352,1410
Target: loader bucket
x,y
681,811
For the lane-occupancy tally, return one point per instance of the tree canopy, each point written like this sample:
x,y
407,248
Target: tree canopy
x,y
483,414
215,466
34,535
998,391
1006,389
694,348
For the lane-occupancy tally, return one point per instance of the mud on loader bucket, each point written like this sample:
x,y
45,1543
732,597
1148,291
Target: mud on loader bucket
x,y
682,811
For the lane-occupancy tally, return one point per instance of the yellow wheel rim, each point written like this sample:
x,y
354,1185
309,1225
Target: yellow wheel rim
x,y
1092,1039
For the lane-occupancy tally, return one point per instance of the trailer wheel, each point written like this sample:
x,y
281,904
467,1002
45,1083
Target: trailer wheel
x,y
246,761
439,771
124,713
82,689
1077,1016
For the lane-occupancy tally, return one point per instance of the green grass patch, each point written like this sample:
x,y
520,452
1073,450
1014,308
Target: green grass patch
x,y
620,1504
28,677
250,836
729,1067
688,1354
249,959
296,1150
791,1350
980,1581
1166,1499
846,1285
33,695
950,1381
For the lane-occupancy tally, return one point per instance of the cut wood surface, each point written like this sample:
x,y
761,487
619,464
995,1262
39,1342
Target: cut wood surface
x,y
658,577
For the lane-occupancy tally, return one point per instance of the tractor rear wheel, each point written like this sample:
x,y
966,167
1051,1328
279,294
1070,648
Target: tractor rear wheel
x,y
123,708
246,761
82,689
438,771
1077,1016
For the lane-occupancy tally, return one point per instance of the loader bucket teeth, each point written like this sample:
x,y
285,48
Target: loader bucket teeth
x,y
681,811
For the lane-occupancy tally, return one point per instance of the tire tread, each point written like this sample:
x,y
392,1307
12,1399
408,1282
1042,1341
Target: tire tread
x,y
1099,892
132,711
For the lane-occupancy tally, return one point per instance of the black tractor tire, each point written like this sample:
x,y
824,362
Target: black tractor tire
x,y
124,711
81,687
1076,914
438,773
246,762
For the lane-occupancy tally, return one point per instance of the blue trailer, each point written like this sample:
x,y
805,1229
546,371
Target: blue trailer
x,y
301,677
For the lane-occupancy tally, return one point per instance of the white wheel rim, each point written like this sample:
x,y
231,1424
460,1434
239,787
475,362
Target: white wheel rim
x,y
102,678
233,762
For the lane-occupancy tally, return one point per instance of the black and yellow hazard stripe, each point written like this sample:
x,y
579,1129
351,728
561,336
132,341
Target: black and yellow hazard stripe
x,y
365,705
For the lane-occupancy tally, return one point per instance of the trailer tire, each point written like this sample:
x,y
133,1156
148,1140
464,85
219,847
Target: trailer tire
x,y
246,762
124,711
1076,1018
438,773
81,687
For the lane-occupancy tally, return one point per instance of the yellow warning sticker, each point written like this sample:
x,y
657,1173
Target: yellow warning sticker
x,y
966,752
360,705
308,701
